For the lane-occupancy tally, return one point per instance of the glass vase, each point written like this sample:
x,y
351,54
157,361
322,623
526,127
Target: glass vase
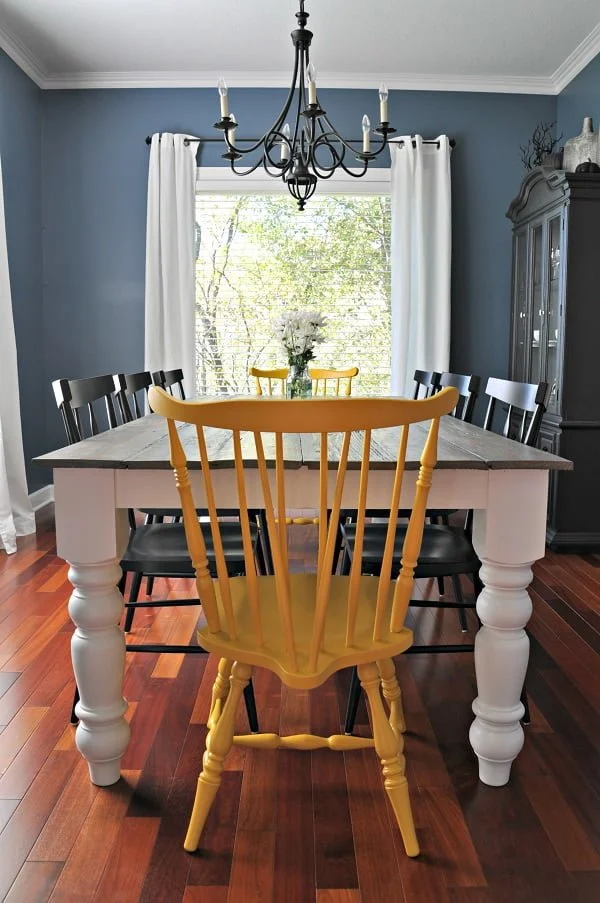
x,y
298,383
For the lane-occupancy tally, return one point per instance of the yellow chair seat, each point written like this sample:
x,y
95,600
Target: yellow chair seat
x,y
334,653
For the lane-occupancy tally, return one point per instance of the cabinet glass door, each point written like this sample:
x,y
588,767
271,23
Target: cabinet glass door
x,y
519,354
537,305
552,336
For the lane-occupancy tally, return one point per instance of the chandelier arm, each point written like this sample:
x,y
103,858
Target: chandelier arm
x,y
275,175
336,157
246,172
277,123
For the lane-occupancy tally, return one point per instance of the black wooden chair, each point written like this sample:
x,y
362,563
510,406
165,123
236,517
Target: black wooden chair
x,y
153,550
468,390
428,380
448,550
131,390
169,380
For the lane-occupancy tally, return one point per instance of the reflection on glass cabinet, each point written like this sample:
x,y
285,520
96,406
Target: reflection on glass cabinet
x,y
520,313
537,307
554,312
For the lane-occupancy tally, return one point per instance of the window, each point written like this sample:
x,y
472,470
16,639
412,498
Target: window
x,y
258,255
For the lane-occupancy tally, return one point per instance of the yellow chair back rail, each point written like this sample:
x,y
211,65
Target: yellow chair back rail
x,y
332,382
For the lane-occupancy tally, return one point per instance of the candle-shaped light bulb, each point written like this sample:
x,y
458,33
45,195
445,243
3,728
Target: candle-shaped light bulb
x,y
366,127
231,129
285,148
383,102
311,77
222,89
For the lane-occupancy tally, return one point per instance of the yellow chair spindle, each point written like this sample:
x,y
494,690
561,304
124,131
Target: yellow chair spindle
x,y
249,565
323,486
216,534
388,551
193,533
259,390
414,531
281,578
281,518
324,575
355,571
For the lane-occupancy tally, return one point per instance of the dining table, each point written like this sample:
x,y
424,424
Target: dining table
x,y
504,482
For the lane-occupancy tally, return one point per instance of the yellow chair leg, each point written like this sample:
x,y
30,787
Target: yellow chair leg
x,y
220,691
389,747
393,694
219,741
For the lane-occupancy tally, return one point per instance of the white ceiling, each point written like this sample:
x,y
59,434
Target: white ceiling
x,y
528,46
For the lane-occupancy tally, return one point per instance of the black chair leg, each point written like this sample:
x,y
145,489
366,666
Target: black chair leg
x,y
121,583
149,585
134,592
526,719
440,583
263,540
74,718
459,598
250,701
353,700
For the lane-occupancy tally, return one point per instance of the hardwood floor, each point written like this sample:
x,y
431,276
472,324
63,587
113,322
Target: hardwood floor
x,y
292,827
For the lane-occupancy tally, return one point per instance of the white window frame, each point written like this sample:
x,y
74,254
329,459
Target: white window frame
x,y
220,180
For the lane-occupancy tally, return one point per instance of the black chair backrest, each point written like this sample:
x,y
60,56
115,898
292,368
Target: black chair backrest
x,y
429,380
129,387
76,400
468,387
526,406
166,379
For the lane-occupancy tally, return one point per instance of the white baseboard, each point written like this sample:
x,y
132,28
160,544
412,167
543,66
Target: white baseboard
x,y
42,497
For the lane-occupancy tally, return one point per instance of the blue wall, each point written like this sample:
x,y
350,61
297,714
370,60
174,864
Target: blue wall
x,y
580,98
20,152
94,203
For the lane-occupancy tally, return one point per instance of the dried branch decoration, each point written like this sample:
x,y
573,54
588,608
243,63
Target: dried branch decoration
x,y
539,145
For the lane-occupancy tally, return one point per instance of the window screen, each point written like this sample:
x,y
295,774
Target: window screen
x,y
258,256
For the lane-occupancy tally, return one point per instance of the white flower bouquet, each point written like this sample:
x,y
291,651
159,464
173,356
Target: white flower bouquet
x,y
299,331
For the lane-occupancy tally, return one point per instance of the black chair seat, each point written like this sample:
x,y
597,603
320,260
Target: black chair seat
x,y
162,548
445,550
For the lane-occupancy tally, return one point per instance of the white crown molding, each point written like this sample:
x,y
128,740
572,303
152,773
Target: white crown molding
x,y
552,85
23,57
578,60
399,81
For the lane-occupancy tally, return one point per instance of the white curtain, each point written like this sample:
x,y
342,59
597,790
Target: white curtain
x,y
170,258
16,514
421,248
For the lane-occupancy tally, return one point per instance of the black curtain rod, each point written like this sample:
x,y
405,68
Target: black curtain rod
x,y
452,141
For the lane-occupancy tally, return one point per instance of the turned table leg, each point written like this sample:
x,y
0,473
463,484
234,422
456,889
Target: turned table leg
x,y
508,535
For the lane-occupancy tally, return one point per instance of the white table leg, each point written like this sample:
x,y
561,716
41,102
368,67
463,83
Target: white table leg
x,y
508,535
90,536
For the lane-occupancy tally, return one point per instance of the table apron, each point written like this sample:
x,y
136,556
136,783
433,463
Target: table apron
x,y
156,488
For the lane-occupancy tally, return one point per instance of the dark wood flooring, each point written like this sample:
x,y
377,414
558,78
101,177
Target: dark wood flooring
x,y
293,827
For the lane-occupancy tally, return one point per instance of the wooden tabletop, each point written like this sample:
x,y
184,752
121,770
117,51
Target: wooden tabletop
x,y
143,444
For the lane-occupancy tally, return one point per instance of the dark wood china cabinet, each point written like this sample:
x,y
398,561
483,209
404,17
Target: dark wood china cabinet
x,y
555,336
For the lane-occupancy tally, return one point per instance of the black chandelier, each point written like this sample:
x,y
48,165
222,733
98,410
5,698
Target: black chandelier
x,y
312,148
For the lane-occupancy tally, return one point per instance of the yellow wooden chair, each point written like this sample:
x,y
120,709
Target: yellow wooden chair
x,y
274,379
303,627
329,382
324,382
